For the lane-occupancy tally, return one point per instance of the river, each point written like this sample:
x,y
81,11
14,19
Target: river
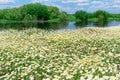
x,y
57,25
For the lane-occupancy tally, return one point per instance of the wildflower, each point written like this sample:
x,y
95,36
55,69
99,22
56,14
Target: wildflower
x,y
82,78
31,77
110,54
47,79
96,78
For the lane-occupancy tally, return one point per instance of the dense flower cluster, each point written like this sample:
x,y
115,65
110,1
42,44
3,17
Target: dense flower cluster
x,y
85,54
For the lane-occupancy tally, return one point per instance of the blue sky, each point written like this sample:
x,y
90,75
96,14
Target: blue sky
x,y
70,6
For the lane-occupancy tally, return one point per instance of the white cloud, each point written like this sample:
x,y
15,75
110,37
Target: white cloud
x,y
49,1
83,4
96,2
74,1
116,6
35,1
117,1
6,1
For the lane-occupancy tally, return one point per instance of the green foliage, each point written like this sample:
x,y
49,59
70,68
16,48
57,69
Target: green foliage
x,y
71,17
81,15
63,16
54,12
114,16
91,15
27,12
1,14
10,14
38,10
102,15
28,17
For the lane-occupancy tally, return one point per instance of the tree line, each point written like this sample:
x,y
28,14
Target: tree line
x,y
35,11
99,15
38,11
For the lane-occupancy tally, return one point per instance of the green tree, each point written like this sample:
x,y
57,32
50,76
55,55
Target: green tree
x,y
1,14
11,14
115,16
91,15
101,15
63,16
6,14
15,14
81,15
28,17
40,11
54,12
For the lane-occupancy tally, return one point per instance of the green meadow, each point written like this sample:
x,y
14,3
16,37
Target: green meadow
x,y
83,54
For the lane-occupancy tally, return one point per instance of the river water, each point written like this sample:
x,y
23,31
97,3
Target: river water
x,y
57,25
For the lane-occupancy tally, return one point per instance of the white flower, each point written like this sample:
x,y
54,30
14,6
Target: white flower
x,y
112,78
69,76
96,78
31,77
47,79
106,77
110,54
93,70
100,69
48,70
90,77
82,78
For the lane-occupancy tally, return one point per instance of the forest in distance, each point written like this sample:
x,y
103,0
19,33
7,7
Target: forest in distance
x,y
39,12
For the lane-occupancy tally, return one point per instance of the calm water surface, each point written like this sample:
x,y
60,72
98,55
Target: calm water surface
x,y
57,25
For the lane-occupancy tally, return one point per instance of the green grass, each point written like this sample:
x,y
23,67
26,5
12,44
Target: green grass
x,y
71,18
6,21
34,54
92,19
53,20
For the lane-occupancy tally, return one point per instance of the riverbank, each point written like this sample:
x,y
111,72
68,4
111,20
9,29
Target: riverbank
x,y
54,20
87,53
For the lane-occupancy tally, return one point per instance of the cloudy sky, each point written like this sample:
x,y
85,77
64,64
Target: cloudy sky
x,y
113,6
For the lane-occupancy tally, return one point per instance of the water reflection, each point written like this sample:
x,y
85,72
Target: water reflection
x,y
101,23
41,25
57,25
81,24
